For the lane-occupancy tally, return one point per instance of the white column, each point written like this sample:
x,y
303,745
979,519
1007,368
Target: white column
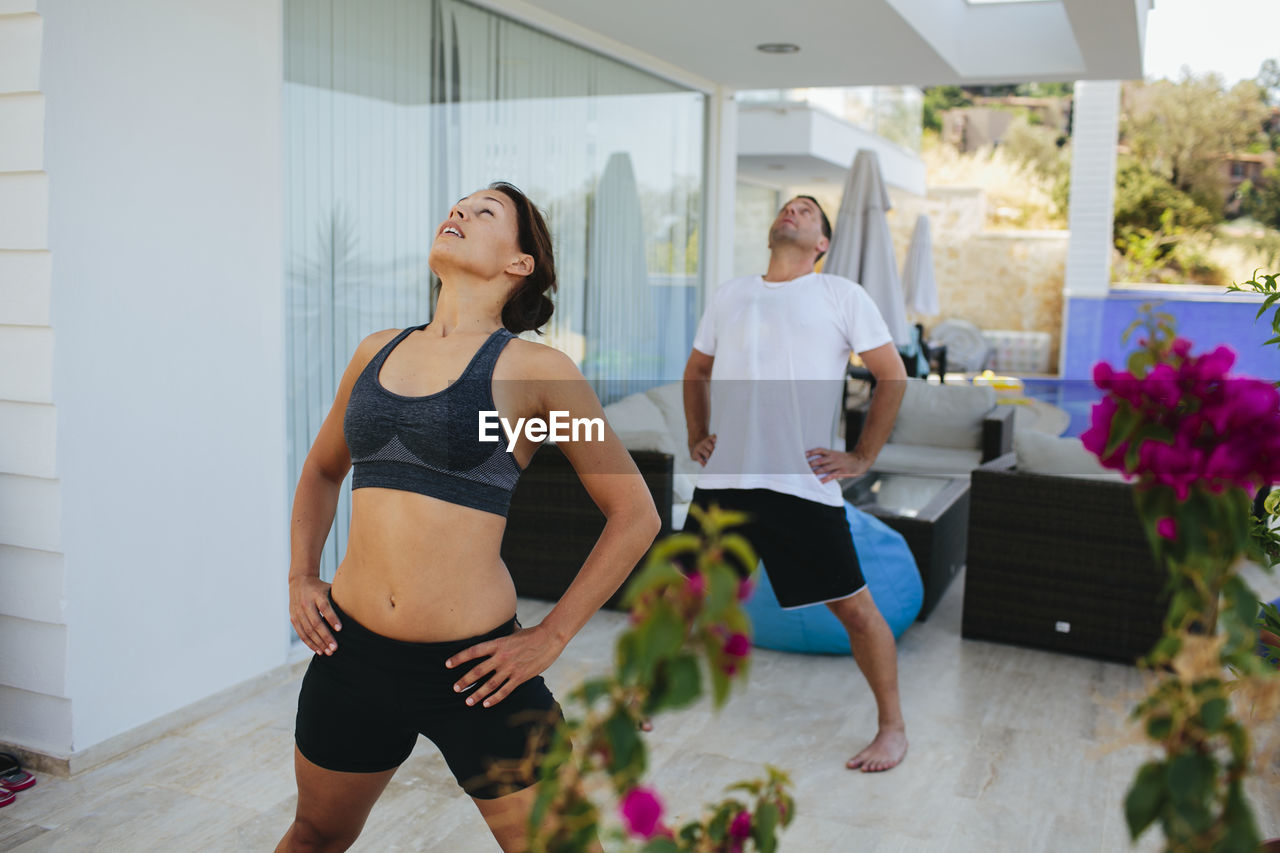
x,y
1094,132
722,182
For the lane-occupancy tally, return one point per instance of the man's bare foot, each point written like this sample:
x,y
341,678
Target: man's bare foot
x,y
883,753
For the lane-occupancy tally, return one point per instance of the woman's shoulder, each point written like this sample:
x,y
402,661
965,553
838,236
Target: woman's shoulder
x,y
533,360
369,347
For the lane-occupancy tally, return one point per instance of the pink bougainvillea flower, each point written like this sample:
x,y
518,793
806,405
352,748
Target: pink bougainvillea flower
x,y
1180,347
641,812
740,828
1161,386
697,584
737,646
1096,436
1167,528
746,586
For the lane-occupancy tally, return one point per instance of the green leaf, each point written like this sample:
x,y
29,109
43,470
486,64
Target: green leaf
x,y
676,543
764,827
1140,362
655,574
1158,728
1241,834
625,653
1145,799
1190,777
679,683
660,845
594,689
722,590
626,749
741,549
1213,714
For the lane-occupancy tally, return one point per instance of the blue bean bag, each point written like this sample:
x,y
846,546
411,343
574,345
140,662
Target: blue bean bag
x,y
891,575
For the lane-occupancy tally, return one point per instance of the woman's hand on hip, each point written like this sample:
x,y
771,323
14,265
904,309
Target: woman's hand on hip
x,y
311,614
508,662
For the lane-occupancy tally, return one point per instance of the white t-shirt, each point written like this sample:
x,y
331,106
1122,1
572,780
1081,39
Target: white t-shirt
x,y
781,351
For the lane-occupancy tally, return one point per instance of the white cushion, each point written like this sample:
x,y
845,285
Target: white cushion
x,y
642,425
634,414
942,415
1040,453
929,461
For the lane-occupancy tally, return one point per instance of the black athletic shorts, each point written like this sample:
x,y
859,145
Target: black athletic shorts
x,y
362,708
806,546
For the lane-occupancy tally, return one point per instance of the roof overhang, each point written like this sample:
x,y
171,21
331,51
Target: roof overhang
x,y
787,145
862,42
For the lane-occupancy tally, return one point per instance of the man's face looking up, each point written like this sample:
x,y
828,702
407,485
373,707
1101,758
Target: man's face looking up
x,y
798,223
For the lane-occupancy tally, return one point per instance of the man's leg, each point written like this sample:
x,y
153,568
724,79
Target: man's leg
x,y
877,656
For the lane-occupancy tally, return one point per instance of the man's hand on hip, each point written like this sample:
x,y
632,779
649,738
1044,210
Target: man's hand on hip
x,y
700,451
830,465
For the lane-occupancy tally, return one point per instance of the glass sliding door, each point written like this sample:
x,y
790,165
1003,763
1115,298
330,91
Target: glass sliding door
x,y
394,109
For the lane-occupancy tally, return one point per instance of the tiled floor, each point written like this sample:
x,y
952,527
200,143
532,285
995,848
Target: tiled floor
x,y
1011,750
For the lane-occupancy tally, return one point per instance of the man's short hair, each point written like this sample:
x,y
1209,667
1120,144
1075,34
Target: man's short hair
x,y
826,223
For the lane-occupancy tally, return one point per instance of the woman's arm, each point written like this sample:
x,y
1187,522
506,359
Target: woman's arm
x,y
314,503
631,523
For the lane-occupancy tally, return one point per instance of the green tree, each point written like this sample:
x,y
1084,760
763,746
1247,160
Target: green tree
x,y
1268,81
1182,130
1262,200
1143,196
938,99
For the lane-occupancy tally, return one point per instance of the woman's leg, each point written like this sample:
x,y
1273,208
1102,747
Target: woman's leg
x,y
508,819
332,806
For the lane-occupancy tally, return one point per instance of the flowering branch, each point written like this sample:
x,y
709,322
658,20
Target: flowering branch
x,y
1198,443
681,624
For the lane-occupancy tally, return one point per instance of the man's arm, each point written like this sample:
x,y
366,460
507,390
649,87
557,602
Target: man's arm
x,y
885,365
697,405
891,383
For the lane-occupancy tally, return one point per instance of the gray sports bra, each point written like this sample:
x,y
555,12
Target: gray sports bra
x,y
430,445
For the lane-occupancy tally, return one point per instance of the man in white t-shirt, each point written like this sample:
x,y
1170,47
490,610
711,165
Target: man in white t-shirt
x,y
777,347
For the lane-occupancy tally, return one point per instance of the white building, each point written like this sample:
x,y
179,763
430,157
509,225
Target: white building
x,y
203,205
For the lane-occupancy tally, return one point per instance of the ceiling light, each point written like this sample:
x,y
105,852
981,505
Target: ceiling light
x,y
778,47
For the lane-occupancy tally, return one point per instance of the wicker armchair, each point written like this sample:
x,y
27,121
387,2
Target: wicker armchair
x,y
553,524
1060,563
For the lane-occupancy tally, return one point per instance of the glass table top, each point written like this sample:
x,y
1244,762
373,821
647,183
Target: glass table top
x,y
902,494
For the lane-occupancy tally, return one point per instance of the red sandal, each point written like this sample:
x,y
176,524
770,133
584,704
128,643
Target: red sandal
x,y
13,777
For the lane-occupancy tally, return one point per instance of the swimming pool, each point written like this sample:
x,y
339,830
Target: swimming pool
x,y
1074,396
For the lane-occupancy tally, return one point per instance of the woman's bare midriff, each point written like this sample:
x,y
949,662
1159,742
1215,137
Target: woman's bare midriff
x,y
423,570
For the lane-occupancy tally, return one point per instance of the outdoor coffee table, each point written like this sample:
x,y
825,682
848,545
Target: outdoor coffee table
x,y
931,513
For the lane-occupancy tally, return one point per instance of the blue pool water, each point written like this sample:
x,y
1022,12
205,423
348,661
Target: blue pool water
x,y
1074,396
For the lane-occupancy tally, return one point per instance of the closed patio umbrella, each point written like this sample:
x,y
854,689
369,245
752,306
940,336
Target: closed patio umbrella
x,y
618,321
917,271
861,248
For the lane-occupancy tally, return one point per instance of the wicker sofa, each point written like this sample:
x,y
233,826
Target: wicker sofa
x,y
1061,563
941,430
553,524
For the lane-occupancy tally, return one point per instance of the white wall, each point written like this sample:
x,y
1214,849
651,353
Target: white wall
x,y
35,710
163,149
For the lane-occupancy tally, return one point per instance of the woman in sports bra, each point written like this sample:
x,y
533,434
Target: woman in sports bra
x,y
417,634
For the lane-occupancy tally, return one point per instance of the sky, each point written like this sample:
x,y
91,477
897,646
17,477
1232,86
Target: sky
x,y
1231,37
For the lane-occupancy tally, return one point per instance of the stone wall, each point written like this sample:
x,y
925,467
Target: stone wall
x,y
996,279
